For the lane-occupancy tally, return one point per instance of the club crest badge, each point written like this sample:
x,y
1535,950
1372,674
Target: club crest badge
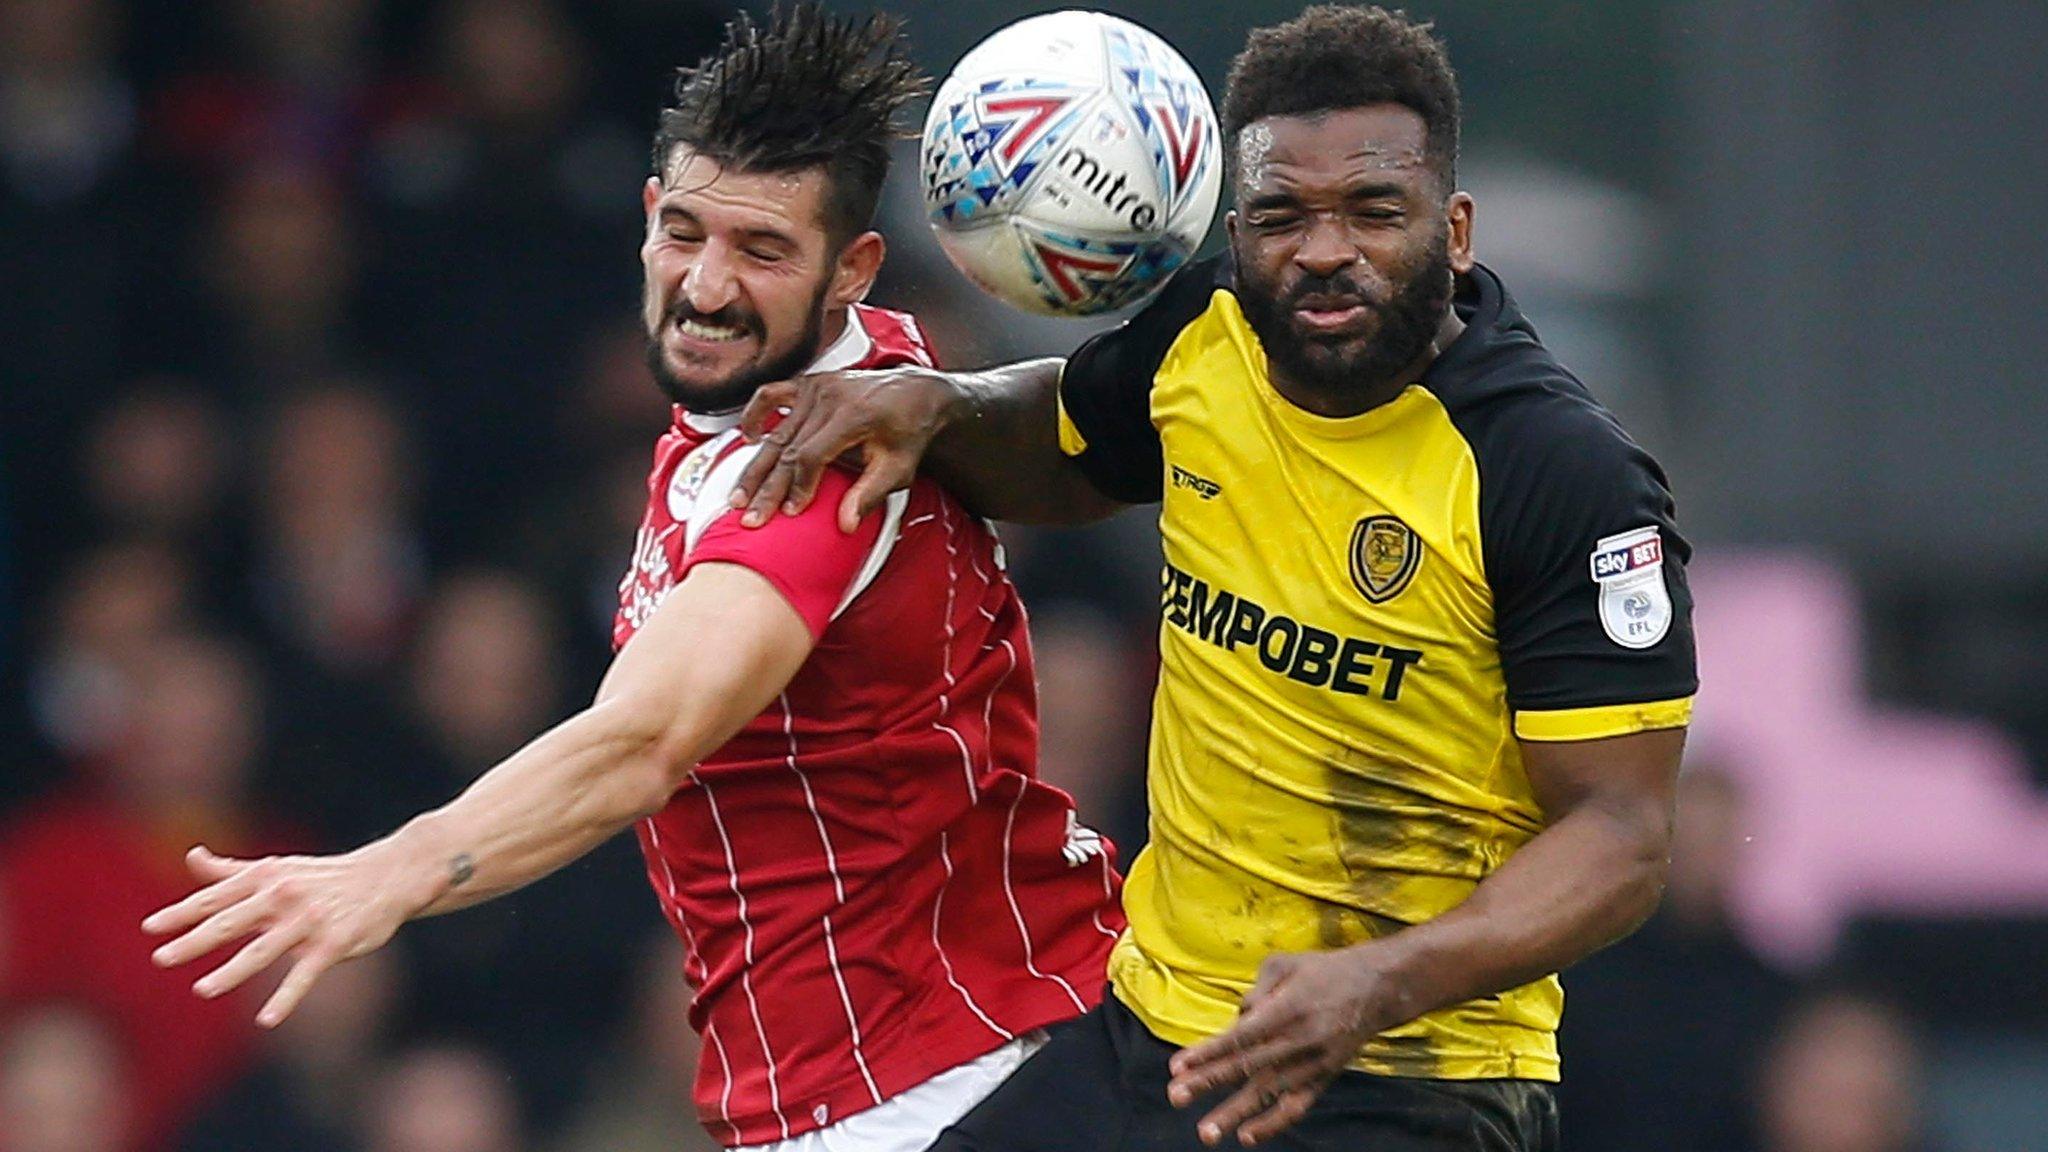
x,y
688,481
1384,556
1635,602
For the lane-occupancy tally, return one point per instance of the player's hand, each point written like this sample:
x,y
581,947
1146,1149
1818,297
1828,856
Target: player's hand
x,y
317,910
885,418
1302,1022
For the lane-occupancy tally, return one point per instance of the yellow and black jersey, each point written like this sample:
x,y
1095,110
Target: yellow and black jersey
x,y
1361,616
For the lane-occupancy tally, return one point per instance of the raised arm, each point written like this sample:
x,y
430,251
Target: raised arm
x,y
711,658
991,437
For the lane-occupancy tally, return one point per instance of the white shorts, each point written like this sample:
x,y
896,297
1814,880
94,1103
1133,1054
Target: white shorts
x,y
910,1120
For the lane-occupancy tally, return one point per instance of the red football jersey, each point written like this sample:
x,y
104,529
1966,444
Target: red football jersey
x,y
869,881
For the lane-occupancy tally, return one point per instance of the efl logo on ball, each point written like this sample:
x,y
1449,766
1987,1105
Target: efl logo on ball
x,y
1071,163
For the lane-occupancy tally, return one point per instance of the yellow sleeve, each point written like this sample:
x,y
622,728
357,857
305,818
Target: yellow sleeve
x,y
1600,723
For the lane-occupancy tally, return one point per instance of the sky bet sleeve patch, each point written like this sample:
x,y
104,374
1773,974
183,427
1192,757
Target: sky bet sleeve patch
x,y
1635,602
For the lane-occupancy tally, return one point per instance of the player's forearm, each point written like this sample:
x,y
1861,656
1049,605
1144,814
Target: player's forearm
x,y
1587,880
554,800
999,450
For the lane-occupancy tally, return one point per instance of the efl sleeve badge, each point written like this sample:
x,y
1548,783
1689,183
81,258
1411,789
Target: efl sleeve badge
x,y
1635,602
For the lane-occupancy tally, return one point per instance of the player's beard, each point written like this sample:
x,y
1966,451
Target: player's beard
x,y
1349,366
734,391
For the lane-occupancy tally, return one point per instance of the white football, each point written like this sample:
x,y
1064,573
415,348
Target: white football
x,y
1070,163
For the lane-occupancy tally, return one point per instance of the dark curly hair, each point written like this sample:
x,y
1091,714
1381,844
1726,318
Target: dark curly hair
x,y
1342,56
807,91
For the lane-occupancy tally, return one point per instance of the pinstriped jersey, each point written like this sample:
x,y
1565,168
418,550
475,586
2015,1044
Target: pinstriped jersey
x,y
1362,618
870,883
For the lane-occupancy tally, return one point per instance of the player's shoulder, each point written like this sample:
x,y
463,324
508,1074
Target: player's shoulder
x,y
1134,349
1527,418
1186,297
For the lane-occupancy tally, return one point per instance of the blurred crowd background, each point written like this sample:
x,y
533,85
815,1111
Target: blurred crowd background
x,y
323,436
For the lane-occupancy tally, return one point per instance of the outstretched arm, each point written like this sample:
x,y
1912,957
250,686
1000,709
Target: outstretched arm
x,y
991,437
710,659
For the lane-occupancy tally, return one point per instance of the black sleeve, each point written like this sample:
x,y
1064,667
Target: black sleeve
x,y
1106,388
1587,567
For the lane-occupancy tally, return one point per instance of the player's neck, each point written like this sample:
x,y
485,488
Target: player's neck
x,y
1353,401
831,329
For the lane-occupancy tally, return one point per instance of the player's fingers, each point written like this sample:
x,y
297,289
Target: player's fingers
x,y
794,409
1291,1106
1253,1029
310,966
198,906
814,447
1263,1093
254,957
767,400
1236,1067
786,443
881,474
230,923
1242,1105
211,866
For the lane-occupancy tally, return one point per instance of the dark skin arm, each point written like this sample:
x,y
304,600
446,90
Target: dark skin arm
x,y
990,437
1593,874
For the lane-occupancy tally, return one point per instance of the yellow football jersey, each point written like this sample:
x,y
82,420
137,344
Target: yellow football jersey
x,y
1360,618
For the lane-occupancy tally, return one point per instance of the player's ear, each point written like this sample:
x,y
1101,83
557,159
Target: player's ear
x,y
1458,220
859,263
649,193
1230,226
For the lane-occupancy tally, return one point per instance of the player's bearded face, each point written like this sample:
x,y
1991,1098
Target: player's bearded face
x,y
1398,317
1343,246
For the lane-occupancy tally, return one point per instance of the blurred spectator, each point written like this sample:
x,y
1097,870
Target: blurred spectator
x,y
112,604
67,116
158,464
480,681
1843,1075
1092,710
81,868
513,221
309,1091
483,680
639,1099
611,404
281,274
580,539
73,262
484,671
299,81
63,1087
444,1099
341,568
1665,1029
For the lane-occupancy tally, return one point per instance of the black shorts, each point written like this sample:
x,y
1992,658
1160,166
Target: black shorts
x,y
1099,1085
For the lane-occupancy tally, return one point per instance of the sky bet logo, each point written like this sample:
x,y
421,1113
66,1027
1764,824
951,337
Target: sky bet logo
x,y
1620,561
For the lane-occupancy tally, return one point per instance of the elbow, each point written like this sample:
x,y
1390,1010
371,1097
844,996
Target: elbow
x,y
1640,897
657,752
664,765
1642,878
